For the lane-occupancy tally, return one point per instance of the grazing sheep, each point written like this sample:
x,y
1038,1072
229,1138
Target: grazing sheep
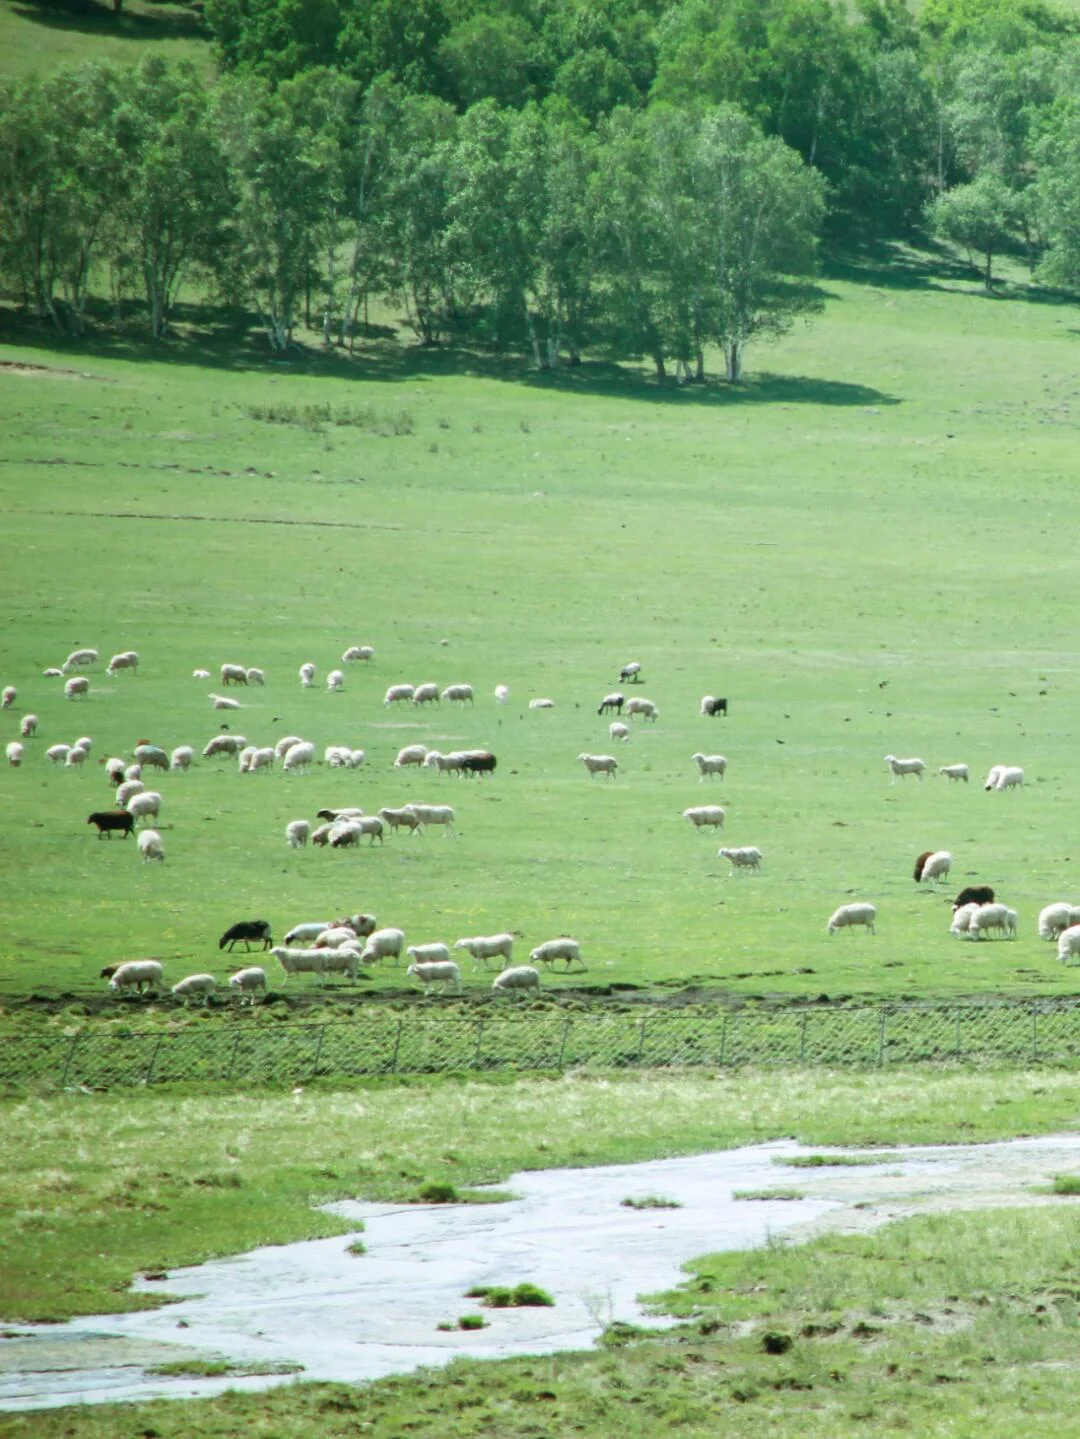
x,y
144,805
58,753
114,769
127,660
1010,776
478,761
516,980
80,658
245,757
247,930
483,947
286,743
181,759
76,687
993,916
357,652
955,771
974,894
902,767
28,726
299,756
297,833
430,972
605,764
128,790
404,818
333,815
336,756
76,756
701,816
194,986
361,924
502,694
920,861
712,706
992,777
135,973
710,764
310,929
200,674
224,744
320,835
151,755
568,950
935,866
356,758
7,696
346,833
300,961
643,707
630,674
335,681
52,673
256,676
85,742
426,694
233,675
961,920
223,702
618,731
444,763
151,845
434,814
459,694
1056,918
746,857
262,759
428,954
1069,943
398,694
307,676
613,701
133,771
15,752
343,960
411,754
109,820
383,944
849,915
249,982
542,704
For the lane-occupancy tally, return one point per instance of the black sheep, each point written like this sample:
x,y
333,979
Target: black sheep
x,y
247,930
710,705
109,819
974,894
479,763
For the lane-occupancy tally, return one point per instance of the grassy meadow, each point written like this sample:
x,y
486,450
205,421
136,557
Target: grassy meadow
x,y
41,36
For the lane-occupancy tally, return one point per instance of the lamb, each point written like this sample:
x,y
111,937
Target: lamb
x,y
478,761
404,818
605,764
434,814
613,701
299,756
426,694
152,755
135,973
307,675
516,980
710,764
383,944
568,950
256,676
502,694
961,921
483,947
8,695
356,758
746,857
246,755
630,673
28,726
223,702
247,930
109,820
712,706
300,961
77,687
200,674
542,704
1069,943
127,660
320,835
128,790
85,742
411,754
849,915
1010,776
398,694
902,767
643,707
618,731
702,816
428,954
15,752
955,771
233,675
993,916
357,652
58,753
459,694
144,805
249,982
444,763
297,833
230,744
430,972
974,894
76,755
335,681
194,986
181,759
936,865
1056,918
52,673
79,658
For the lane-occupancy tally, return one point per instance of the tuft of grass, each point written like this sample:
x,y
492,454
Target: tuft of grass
x,y
316,417
768,1194
829,1161
218,1368
501,1296
650,1201
472,1321
435,1192
357,1247
1066,1184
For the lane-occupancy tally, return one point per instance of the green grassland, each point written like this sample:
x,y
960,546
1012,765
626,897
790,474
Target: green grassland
x,y
41,36
866,550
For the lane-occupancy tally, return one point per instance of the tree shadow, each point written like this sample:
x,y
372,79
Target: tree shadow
x,y
895,265
175,22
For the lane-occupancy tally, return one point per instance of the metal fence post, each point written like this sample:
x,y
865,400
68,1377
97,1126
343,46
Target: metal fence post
x,y
397,1044
70,1056
479,1041
882,1013
153,1060
1034,1035
232,1058
723,1040
802,1037
641,1042
562,1046
958,1048
318,1050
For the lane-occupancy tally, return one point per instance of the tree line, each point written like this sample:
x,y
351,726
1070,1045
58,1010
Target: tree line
x,y
542,176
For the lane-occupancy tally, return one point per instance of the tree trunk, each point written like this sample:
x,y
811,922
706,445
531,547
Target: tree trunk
x,y
699,373
988,279
661,372
733,361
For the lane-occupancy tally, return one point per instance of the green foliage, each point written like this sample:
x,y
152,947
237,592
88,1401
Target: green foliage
x,y
436,1193
825,1161
501,1296
472,1321
1068,1184
979,217
650,1201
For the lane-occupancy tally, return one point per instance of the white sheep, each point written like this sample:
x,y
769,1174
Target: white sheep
x,y
643,707
542,704
629,673
411,754
8,695
28,726
181,759
460,694
568,950
256,676
336,756
618,731
710,764
956,771
335,681
993,916
1011,776
516,980
15,752
961,920
286,742
902,767
310,929
383,944
135,973
249,982
80,658
1057,917
404,818
398,694
936,866
149,754
1069,943
444,763
992,778
350,832
297,757
704,816
262,759
502,694
307,675
426,694
343,960
133,771
434,814
356,758
244,758
76,756
483,947
297,833
428,954
744,857
128,790
58,753
52,673
114,769
76,687
224,744
151,845
144,805
605,764
430,972
850,915
299,961
194,986
357,652
127,660
233,675
223,702
200,674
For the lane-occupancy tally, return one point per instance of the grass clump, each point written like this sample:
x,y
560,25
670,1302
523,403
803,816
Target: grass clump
x,y
318,417
357,1247
829,1161
501,1296
1066,1184
219,1368
650,1201
768,1194
435,1192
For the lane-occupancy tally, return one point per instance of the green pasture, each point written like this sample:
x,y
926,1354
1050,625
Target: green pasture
x,y
41,36
866,550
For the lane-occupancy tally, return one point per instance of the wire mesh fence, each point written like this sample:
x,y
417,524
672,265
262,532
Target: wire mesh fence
x,y
386,1043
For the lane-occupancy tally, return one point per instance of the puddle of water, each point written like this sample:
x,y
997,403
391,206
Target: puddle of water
x,y
352,1318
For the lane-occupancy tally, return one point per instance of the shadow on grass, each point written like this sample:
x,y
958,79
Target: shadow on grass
x,y
91,18
931,267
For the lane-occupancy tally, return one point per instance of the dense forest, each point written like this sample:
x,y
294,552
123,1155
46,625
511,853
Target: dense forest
x,y
639,178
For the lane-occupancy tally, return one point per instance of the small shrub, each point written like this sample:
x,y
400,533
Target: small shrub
x,y
472,1321
776,1343
357,1247
1066,1184
436,1193
531,1296
501,1296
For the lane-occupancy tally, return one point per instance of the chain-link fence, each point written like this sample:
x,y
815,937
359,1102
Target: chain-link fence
x,y
381,1043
